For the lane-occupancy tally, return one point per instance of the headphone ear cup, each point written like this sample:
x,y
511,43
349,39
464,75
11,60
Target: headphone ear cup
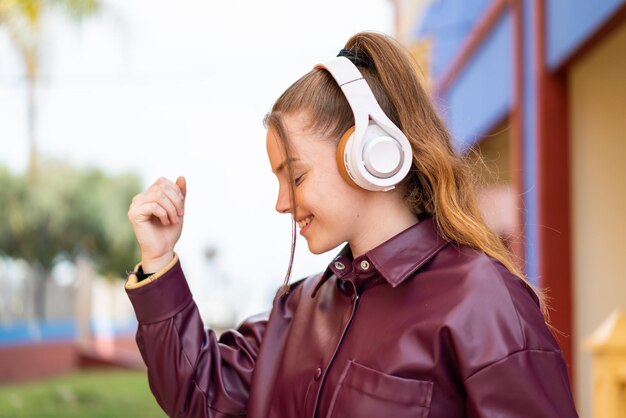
x,y
383,155
341,157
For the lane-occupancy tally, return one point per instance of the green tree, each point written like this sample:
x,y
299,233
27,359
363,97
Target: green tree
x,y
67,213
22,19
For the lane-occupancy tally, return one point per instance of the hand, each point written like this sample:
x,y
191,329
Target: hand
x,y
156,216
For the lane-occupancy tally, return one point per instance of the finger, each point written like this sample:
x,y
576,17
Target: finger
x,y
161,213
160,181
156,210
164,186
163,198
144,210
181,182
173,193
179,188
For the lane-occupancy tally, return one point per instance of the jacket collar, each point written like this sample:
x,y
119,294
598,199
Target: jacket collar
x,y
395,259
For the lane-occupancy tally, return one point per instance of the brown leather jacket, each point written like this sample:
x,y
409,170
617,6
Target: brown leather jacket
x,y
416,327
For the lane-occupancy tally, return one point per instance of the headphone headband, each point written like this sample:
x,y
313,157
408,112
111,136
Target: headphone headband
x,y
365,108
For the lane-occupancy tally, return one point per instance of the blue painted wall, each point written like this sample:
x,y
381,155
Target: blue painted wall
x,y
35,332
24,332
571,22
483,93
447,23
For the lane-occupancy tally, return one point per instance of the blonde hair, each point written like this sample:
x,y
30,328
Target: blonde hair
x,y
440,182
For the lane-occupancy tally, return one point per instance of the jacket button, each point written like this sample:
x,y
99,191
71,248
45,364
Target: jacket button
x,y
365,264
318,374
339,265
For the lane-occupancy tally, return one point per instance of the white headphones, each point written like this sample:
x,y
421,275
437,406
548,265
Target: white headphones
x,y
374,154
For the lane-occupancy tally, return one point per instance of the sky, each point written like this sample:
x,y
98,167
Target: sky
x,y
181,88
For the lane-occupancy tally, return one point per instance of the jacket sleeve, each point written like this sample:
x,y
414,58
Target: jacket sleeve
x,y
528,383
510,362
191,373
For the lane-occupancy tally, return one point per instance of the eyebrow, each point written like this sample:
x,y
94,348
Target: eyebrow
x,y
282,165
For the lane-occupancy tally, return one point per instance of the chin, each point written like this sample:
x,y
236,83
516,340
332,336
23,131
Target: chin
x,y
316,251
314,248
318,248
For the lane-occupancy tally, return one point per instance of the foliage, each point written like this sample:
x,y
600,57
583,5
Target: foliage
x,y
86,394
22,20
66,213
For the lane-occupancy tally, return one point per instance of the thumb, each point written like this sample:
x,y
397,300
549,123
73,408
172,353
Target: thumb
x,y
182,185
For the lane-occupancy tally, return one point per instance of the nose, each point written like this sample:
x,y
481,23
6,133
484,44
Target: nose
x,y
283,202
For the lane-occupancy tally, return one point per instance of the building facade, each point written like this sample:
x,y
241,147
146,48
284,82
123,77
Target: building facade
x,y
536,87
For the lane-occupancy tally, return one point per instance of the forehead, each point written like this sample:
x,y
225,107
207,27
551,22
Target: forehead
x,y
303,145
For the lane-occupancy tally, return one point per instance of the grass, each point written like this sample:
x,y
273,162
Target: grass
x,y
87,394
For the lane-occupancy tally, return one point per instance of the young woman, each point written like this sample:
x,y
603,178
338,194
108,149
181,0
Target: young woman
x,y
421,314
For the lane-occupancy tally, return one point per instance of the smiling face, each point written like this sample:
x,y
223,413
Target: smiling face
x,y
328,211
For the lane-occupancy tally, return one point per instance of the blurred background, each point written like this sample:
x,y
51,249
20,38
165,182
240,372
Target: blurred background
x,y
99,98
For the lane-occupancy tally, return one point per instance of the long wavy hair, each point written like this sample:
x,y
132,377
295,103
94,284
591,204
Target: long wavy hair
x,y
440,183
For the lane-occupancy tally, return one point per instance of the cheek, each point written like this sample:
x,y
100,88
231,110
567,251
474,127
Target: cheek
x,y
336,199
325,191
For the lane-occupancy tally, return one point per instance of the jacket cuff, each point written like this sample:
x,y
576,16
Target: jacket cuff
x,y
134,282
163,298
